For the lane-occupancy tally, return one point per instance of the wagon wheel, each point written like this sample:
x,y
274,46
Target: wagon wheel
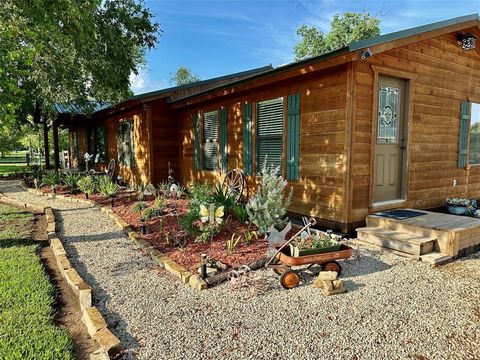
x,y
289,279
234,184
280,269
332,266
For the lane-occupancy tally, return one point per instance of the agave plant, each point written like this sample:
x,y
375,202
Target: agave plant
x,y
107,188
71,180
86,185
52,179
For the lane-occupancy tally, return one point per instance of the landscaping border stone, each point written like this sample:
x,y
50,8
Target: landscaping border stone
x,y
177,270
94,322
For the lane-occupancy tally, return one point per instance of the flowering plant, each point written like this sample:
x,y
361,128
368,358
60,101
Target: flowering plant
x,y
458,202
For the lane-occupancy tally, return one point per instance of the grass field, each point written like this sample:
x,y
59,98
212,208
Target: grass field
x,y
27,329
14,163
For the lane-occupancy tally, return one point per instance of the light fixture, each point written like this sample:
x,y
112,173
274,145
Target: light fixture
x,y
467,41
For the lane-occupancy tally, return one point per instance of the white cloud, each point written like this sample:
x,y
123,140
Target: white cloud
x,y
143,82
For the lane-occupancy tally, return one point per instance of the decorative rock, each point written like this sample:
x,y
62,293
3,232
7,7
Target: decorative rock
x,y
173,268
186,275
93,320
337,284
197,282
63,263
99,354
327,285
328,275
210,271
108,341
334,292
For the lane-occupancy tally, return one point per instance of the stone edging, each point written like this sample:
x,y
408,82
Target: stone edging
x,y
177,270
96,325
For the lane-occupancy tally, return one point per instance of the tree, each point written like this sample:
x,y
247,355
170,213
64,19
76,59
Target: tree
x,y
183,76
64,50
345,29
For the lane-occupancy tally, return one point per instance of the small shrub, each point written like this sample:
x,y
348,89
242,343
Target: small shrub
x,y
52,179
163,189
106,187
86,185
249,235
139,207
71,180
150,213
240,212
180,192
269,205
200,194
187,222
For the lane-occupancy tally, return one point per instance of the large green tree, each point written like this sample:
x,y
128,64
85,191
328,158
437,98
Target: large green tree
x,y
345,29
183,76
64,50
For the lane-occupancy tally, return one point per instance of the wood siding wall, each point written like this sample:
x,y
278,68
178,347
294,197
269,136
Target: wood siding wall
x,y
444,75
320,190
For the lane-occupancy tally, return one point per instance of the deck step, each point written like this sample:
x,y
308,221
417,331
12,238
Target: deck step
x,y
401,241
436,258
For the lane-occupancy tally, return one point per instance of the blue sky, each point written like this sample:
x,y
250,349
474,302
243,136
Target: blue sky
x,y
215,38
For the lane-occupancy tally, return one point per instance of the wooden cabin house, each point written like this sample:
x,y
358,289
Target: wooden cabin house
x,y
383,123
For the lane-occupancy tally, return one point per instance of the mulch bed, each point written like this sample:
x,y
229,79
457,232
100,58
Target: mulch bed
x,y
165,234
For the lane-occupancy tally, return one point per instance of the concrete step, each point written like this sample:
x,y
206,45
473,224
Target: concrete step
x,y
436,258
401,241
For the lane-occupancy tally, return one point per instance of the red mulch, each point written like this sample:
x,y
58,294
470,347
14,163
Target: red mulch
x,y
167,240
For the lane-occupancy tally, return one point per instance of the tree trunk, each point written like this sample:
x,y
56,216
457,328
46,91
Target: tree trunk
x,y
45,144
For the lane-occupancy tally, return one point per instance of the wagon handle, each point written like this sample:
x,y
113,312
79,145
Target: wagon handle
x,y
311,222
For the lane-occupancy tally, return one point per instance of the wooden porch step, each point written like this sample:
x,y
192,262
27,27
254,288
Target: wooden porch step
x,y
401,241
436,258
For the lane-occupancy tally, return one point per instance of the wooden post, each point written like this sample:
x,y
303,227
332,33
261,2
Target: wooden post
x,y
56,152
45,144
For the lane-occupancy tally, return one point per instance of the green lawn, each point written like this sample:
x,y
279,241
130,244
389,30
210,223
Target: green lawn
x,y
27,329
12,163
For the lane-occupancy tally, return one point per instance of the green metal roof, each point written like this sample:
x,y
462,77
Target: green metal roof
x,y
157,93
77,108
355,46
361,44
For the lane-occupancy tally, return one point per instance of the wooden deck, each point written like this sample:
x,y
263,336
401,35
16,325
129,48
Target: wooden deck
x,y
453,233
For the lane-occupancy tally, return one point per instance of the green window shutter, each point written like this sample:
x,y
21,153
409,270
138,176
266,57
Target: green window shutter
x,y
131,140
196,142
120,144
210,140
463,136
270,132
127,154
293,136
247,138
223,141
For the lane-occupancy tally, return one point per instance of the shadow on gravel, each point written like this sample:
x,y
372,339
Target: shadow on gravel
x,y
366,264
100,297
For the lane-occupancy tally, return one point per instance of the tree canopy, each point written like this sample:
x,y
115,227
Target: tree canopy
x,y
183,76
64,50
345,29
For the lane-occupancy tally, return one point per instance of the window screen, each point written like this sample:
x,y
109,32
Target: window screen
x,y
270,132
210,140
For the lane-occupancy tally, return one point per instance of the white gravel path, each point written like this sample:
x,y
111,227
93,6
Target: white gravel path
x,y
395,308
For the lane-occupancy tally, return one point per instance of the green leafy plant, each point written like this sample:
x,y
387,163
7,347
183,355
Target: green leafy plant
x,y
232,243
106,187
180,192
240,212
221,198
52,179
269,205
199,194
317,241
139,207
249,235
87,185
163,189
71,180
156,210
211,219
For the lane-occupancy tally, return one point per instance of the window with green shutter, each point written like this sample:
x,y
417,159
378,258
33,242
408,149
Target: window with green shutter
x,y
247,138
210,141
270,133
196,142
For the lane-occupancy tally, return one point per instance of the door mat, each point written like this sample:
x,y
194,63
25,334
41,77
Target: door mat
x,y
400,214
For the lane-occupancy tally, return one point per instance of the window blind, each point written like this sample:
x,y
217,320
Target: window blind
x,y
270,132
210,140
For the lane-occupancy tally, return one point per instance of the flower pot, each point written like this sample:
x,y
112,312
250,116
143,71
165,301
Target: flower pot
x,y
296,252
457,210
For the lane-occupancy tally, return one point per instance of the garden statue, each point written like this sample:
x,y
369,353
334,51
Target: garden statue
x,y
276,237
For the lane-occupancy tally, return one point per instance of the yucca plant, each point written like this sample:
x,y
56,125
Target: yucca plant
x,y
71,180
107,188
51,179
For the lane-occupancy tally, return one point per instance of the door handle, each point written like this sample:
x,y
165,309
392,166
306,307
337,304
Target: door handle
x,y
402,142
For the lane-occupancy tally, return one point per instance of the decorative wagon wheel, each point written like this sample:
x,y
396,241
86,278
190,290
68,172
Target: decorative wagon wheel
x,y
235,185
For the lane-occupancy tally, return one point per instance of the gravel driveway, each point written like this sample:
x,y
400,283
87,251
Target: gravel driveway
x,y
395,308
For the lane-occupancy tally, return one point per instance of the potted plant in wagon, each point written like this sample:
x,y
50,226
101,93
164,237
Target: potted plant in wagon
x,y
457,206
307,244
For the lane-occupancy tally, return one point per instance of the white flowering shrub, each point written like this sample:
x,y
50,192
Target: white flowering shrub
x,y
269,204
